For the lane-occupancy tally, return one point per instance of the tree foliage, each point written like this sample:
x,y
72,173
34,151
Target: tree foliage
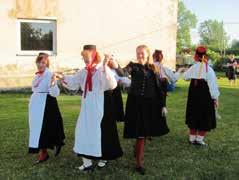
x,y
235,44
213,35
186,21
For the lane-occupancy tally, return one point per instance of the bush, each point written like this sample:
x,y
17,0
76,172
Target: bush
x,y
219,65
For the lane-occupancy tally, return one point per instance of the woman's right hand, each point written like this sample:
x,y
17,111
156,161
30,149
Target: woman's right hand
x,y
164,111
216,103
59,75
106,59
181,70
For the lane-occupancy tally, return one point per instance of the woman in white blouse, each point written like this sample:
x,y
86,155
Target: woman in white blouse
x,y
90,140
164,72
45,121
202,98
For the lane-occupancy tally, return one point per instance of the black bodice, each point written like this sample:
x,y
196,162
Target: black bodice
x,y
143,81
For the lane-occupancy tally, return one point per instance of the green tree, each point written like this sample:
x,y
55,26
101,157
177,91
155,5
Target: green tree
x,y
214,56
186,21
213,35
235,44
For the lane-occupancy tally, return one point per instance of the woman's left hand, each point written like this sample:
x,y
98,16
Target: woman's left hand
x,y
107,59
53,79
216,103
113,63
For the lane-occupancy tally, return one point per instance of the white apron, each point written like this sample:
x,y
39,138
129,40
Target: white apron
x,y
41,88
88,127
36,114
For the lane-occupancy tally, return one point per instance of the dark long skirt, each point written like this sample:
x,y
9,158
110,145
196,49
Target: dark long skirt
x,y
200,113
52,132
231,73
110,143
143,118
118,111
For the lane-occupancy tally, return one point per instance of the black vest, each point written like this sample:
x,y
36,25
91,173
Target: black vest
x,y
143,81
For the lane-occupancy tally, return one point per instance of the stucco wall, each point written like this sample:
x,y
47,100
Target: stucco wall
x,y
115,26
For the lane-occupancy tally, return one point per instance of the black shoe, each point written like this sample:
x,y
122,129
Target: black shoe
x,y
86,169
41,161
140,170
57,150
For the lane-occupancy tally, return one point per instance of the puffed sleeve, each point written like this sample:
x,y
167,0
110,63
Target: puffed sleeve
x,y
212,84
188,74
177,75
54,91
107,78
125,81
127,69
117,77
73,82
119,71
170,74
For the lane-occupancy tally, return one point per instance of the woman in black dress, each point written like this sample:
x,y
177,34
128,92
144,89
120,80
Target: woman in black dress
x,y
202,98
117,100
231,71
146,104
113,112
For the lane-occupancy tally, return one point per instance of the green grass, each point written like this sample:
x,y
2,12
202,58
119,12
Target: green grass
x,y
168,157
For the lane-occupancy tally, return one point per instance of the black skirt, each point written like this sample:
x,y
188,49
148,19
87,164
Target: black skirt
x,y
200,113
52,132
110,143
118,110
231,73
143,118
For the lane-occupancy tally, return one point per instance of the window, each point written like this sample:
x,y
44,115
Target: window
x,y
36,36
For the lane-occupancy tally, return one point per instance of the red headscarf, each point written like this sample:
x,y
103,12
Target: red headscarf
x,y
200,55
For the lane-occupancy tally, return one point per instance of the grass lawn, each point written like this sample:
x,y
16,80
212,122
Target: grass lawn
x,y
168,157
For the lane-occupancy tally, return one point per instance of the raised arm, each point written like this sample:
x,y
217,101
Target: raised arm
x,y
126,71
188,74
54,90
173,77
107,78
71,82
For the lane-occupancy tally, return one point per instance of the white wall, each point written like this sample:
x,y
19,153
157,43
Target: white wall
x,y
115,26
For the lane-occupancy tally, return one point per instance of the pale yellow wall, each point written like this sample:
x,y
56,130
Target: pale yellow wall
x,y
115,26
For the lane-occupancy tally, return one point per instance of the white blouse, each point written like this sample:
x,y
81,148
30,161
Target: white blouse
x,y
42,84
124,80
167,73
41,87
88,127
194,73
102,79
